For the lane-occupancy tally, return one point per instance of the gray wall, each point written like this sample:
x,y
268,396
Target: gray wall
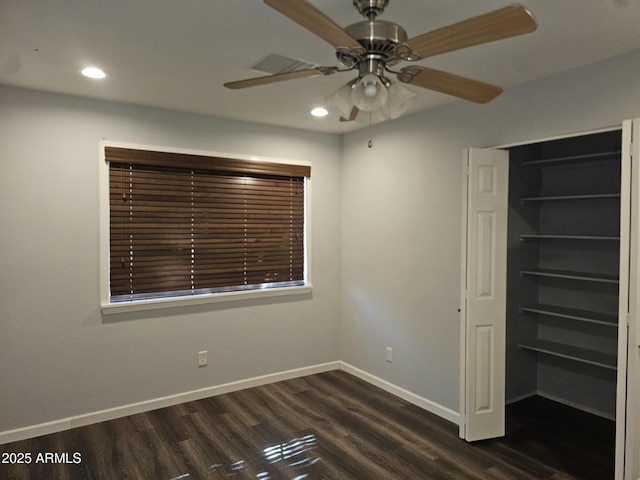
x,y
59,356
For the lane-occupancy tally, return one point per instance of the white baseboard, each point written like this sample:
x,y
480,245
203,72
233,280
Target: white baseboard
x,y
511,400
148,405
410,397
562,401
576,405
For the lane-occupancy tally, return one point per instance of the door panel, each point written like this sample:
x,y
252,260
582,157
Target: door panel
x,y
628,394
484,369
485,257
484,294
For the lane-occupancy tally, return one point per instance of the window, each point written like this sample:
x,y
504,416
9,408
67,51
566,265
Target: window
x,y
184,225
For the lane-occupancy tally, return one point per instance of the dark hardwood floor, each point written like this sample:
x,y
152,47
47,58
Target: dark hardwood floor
x,y
327,426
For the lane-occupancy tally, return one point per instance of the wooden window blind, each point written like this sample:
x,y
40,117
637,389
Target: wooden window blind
x,y
185,224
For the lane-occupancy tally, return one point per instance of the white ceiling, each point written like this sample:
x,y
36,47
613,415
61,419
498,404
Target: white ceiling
x,y
176,54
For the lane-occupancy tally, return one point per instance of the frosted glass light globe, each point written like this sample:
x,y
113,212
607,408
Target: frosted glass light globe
x,y
370,90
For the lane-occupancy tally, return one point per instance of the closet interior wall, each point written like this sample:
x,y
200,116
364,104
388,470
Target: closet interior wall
x,y
562,271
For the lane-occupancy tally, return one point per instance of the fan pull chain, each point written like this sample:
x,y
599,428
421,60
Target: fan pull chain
x,y
370,144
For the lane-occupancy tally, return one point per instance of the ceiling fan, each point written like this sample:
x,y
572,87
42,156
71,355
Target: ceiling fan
x,y
373,47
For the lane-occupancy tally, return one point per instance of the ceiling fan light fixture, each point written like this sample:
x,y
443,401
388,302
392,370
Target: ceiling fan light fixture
x,y
399,101
340,100
370,90
369,94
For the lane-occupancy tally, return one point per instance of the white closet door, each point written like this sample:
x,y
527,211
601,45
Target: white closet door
x,y
628,394
484,294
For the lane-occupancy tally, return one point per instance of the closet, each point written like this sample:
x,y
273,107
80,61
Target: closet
x,y
550,291
563,263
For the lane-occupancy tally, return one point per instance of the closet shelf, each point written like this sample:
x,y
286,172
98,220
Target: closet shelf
x,y
574,158
572,313
548,198
570,352
569,237
588,277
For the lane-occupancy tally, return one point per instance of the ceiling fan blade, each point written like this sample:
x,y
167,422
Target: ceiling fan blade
x,y
352,115
315,21
280,77
503,23
455,85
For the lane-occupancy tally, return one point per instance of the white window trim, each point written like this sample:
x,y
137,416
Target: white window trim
x,y
171,302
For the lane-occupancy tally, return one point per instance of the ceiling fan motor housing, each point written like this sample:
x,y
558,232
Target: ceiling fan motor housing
x,y
378,38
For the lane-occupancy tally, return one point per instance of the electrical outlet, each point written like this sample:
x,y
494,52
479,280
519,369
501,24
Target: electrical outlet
x,y
202,358
389,354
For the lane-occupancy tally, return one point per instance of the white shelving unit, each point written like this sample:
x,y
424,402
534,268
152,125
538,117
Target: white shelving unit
x,y
569,237
584,277
570,352
563,271
572,314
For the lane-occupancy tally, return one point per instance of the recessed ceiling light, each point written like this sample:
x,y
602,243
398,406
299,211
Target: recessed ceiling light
x,y
319,112
93,72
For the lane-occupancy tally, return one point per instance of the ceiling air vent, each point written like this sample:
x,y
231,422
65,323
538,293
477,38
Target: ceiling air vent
x,y
273,64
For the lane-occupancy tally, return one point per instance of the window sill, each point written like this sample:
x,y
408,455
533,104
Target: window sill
x,y
172,302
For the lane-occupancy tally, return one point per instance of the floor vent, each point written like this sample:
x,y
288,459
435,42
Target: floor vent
x,y
273,64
